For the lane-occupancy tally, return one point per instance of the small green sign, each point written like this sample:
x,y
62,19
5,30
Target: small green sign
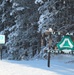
x,y
66,43
2,39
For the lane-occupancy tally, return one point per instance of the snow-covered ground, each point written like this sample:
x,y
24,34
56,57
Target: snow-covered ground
x,y
60,65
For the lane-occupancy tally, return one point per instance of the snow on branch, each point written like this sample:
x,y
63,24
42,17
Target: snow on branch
x,y
39,1
17,9
14,5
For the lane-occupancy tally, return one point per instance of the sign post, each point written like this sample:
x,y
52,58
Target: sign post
x,y
2,41
1,52
50,44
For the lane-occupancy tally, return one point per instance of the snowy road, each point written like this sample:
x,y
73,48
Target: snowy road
x,y
38,67
16,69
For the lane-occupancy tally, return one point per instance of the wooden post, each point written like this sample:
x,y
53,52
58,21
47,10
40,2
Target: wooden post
x,y
48,58
1,52
50,43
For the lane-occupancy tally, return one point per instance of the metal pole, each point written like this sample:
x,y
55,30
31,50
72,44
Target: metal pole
x,y
48,58
50,43
1,54
72,52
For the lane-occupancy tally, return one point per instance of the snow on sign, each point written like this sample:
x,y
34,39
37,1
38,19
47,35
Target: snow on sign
x,y
2,39
66,43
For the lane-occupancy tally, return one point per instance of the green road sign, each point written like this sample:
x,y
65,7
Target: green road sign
x,y
2,39
66,43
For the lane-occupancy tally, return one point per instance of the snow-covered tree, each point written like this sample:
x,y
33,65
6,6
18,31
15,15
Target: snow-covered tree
x,y
6,19
55,14
20,28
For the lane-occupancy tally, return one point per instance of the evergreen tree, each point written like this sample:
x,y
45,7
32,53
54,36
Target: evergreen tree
x,y
6,20
20,29
55,14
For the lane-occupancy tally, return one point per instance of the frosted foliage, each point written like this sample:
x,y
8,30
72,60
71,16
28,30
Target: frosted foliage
x,y
21,34
9,0
12,12
3,18
13,34
45,19
2,32
47,13
2,3
39,1
12,28
19,8
16,10
11,50
14,5
43,53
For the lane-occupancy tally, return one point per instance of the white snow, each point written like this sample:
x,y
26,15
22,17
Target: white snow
x,y
10,29
3,18
15,10
39,1
60,65
14,5
20,8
